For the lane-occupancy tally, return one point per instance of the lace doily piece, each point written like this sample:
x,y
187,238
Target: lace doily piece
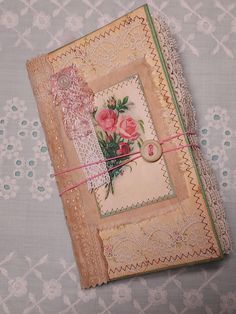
x,y
169,49
76,99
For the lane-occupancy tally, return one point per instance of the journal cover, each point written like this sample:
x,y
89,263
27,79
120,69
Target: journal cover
x,y
121,133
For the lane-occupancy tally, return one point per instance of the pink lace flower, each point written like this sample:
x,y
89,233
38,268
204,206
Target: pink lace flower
x,y
128,128
107,120
76,98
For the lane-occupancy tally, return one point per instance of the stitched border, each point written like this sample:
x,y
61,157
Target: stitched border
x,y
72,48
91,266
170,259
176,105
168,100
164,94
171,193
172,58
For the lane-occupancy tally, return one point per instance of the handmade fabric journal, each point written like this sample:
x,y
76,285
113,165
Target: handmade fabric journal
x,y
121,132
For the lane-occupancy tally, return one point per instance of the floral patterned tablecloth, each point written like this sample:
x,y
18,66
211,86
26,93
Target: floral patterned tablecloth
x,y
37,269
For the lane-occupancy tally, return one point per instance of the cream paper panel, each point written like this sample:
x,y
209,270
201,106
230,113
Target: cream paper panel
x,y
147,182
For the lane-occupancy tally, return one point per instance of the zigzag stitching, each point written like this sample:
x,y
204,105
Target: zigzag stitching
x,y
165,175
113,87
137,205
164,93
101,35
134,78
157,261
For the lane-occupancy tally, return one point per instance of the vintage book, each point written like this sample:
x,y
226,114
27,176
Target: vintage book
x,y
121,132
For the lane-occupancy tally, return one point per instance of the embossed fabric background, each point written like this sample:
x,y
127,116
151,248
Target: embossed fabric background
x,y
37,269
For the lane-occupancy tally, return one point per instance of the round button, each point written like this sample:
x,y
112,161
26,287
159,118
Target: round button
x,y
151,150
63,81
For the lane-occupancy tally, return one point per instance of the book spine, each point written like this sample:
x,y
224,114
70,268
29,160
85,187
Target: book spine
x,y
170,52
84,238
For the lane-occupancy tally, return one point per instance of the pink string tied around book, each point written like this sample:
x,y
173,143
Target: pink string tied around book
x,y
150,151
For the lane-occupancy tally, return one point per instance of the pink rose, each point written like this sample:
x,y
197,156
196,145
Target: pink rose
x,y
107,119
128,128
123,148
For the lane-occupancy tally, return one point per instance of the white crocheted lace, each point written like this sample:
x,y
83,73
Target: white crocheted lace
x,y
76,99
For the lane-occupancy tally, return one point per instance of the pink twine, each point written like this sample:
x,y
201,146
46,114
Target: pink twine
x,y
179,147
93,163
176,135
99,174
123,164
120,156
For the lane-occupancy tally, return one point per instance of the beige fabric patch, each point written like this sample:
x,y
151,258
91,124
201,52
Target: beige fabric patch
x,y
156,243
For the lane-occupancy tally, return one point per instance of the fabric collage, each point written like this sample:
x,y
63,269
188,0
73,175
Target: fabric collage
x,y
137,183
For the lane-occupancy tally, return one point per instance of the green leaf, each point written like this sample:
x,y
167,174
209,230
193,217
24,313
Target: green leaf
x,y
103,142
141,125
108,191
112,188
125,100
113,145
94,114
100,135
118,102
139,145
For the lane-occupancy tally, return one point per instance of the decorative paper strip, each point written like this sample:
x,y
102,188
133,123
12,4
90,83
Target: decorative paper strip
x,y
76,98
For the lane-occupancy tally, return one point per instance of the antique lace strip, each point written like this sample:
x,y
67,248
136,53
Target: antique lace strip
x,y
73,94
170,51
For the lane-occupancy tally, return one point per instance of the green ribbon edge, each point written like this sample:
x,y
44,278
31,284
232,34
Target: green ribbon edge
x,y
175,101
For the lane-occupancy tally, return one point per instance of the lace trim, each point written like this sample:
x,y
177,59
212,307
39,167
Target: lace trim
x,y
169,49
71,91
86,243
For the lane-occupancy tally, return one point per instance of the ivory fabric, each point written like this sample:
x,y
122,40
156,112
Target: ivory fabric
x,y
57,292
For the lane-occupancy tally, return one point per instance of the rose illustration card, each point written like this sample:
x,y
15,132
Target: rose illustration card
x,y
137,193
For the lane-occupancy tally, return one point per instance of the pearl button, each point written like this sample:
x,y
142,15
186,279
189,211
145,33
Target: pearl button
x,y
63,81
151,150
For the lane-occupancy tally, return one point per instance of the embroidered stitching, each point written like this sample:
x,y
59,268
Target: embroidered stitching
x,y
165,94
